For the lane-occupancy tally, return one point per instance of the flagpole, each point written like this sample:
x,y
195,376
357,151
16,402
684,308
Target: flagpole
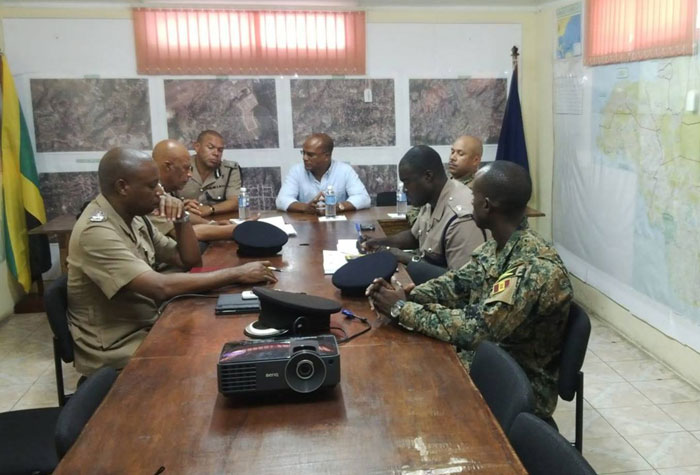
x,y
514,55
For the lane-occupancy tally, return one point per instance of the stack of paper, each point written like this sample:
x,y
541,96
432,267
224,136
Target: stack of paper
x,y
277,221
332,261
323,219
347,247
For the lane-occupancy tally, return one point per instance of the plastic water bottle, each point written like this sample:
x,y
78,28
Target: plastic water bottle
x,y
330,202
401,202
243,204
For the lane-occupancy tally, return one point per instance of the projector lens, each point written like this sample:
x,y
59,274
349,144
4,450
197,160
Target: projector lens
x,y
305,369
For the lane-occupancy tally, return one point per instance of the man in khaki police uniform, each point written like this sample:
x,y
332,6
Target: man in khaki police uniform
x,y
113,291
214,185
175,170
465,157
444,233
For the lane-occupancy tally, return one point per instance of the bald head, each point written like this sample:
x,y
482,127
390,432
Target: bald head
x,y
507,186
465,156
324,140
120,164
173,161
129,180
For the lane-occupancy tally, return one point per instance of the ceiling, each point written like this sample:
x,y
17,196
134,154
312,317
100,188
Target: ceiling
x,y
280,3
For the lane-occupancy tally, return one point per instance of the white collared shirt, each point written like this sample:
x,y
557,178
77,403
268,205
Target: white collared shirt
x,y
301,185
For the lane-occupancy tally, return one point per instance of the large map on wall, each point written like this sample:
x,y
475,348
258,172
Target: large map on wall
x,y
244,111
628,204
73,115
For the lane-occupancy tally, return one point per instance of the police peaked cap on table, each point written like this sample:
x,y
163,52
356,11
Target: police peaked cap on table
x,y
354,277
259,239
297,313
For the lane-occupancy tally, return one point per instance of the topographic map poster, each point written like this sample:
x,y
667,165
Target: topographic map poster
x,y
263,184
377,178
65,193
338,108
443,109
72,115
569,31
244,111
627,189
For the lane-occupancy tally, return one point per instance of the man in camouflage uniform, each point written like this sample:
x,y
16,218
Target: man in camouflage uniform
x,y
465,157
515,291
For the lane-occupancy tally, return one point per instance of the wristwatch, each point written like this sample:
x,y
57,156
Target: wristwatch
x,y
395,311
185,218
341,207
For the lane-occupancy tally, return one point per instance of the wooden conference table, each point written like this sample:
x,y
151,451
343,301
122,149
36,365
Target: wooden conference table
x,y
404,403
61,227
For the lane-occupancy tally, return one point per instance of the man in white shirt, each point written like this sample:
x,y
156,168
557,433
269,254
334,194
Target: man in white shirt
x,y
306,182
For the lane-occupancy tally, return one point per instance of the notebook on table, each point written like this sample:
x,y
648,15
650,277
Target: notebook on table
x,y
230,304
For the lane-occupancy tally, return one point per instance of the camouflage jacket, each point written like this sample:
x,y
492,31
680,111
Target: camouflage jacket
x,y
518,297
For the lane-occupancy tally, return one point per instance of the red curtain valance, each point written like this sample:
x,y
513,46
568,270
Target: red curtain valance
x,y
619,31
240,42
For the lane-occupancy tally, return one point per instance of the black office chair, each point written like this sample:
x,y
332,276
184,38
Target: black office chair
x,y
421,271
573,352
56,303
502,382
543,451
386,198
80,408
34,440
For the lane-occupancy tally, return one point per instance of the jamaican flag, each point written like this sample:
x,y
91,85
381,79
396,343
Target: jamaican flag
x,y
22,205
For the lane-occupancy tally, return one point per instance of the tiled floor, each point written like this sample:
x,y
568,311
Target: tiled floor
x,y
639,416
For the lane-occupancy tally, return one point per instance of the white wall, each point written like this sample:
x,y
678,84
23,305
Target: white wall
x,y
75,48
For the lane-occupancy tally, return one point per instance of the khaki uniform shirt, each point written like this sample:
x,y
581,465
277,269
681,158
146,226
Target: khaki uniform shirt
x,y
412,213
517,297
467,180
107,322
222,184
449,224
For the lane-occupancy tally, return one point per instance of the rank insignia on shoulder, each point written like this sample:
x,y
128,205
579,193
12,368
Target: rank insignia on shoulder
x,y
98,217
504,289
500,286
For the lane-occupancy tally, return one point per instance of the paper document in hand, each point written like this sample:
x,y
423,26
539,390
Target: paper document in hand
x,y
323,219
332,261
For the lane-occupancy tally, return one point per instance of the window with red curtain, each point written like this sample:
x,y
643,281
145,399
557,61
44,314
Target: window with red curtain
x,y
185,41
619,31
